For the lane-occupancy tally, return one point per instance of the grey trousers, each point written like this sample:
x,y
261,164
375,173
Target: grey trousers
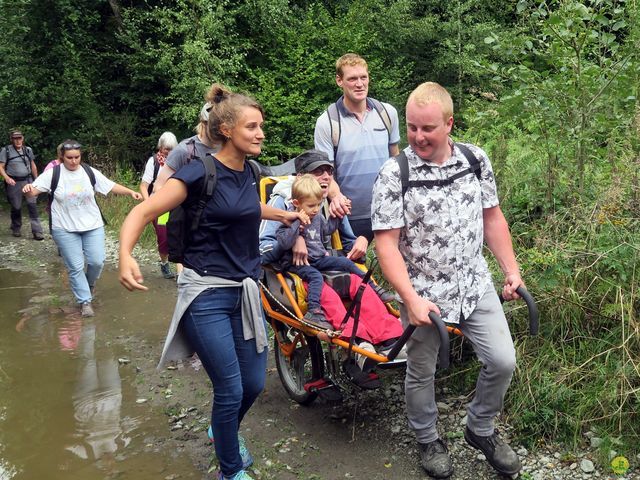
x,y
488,331
14,196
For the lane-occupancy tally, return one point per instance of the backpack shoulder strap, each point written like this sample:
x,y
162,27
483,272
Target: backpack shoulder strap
x,y
384,115
334,124
92,178
208,187
90,174
191,150
255,171
474,163
403,163
55,179
156,168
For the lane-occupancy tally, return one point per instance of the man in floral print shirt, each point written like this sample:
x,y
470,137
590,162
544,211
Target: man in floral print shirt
x,y
429,244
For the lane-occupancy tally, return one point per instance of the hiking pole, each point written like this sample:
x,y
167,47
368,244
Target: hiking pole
x,y
534,315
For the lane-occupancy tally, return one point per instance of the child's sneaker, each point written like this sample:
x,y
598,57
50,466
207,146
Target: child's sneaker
x,y
385,296
241,475
317,319
245,455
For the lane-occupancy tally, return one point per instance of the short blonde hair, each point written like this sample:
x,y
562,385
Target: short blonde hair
x,y
349,60
306,186
432,92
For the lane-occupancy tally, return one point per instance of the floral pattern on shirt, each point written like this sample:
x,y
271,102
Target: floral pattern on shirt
x,y
441,236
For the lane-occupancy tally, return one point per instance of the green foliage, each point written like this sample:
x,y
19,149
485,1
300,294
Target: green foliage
x,y
550,90
572,69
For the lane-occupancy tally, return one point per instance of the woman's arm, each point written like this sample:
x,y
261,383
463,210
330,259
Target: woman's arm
x,y
283,216
122,190
144,190
30,191
172,195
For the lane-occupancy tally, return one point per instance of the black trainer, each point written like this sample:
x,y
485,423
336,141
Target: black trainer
x,y
499,454
435,459
317,319
385,296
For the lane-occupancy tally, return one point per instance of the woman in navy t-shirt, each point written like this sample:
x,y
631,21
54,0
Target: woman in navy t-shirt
x,y
218,312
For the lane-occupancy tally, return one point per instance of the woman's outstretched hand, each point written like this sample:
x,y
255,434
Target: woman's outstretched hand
x,y
130,275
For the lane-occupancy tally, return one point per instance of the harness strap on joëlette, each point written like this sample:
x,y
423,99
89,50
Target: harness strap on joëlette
x,y
354,309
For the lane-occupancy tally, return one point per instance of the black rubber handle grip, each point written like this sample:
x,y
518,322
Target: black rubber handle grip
x,y
534,316
443,354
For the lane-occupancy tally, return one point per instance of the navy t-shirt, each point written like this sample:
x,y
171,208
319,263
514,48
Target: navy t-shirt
x,y
226,241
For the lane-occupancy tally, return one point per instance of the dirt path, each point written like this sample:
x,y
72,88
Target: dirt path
x,y
363,437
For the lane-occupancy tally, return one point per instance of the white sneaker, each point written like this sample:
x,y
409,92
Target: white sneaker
x,y
360,359
87,310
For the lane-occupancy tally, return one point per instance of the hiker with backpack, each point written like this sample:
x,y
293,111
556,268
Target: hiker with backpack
x,y
76,223
197,146
166,143
359,133
432,207
18,168
218,312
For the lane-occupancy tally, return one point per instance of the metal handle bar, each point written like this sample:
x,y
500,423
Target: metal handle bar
x,y
534,316
444,340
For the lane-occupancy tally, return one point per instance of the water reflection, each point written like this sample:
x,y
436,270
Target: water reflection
x,y
97,397
68,408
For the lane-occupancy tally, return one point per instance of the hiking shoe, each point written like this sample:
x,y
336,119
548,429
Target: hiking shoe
x,y
87,310
435,459
317,319
38,236
245,455
241,475
165,268
385,296
499,454
16,233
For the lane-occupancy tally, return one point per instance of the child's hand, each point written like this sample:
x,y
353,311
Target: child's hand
x,y
304,218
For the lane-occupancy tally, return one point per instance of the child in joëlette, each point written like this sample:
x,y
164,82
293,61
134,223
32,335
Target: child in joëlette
x,y
307,196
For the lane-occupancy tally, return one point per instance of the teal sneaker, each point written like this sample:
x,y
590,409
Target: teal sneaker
x,y
241,475
245,455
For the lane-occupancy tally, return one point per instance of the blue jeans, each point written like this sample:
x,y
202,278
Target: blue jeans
x,y
213,326
311,274
75,248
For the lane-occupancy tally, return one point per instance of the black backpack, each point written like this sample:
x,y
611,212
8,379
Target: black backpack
x,y
403,163
180,227
55,178
156,169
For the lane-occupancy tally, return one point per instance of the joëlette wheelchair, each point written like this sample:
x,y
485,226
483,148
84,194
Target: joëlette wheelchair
x,y
311,362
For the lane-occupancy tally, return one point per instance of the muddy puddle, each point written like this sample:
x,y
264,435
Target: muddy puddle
x,y
71,406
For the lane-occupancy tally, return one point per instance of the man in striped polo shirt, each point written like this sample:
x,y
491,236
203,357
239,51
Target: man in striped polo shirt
x,y
359,134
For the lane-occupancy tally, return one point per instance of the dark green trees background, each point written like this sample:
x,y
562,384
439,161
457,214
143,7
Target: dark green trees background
x,y
548,88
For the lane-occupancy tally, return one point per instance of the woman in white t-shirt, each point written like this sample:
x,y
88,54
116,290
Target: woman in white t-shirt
x,y
76,222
